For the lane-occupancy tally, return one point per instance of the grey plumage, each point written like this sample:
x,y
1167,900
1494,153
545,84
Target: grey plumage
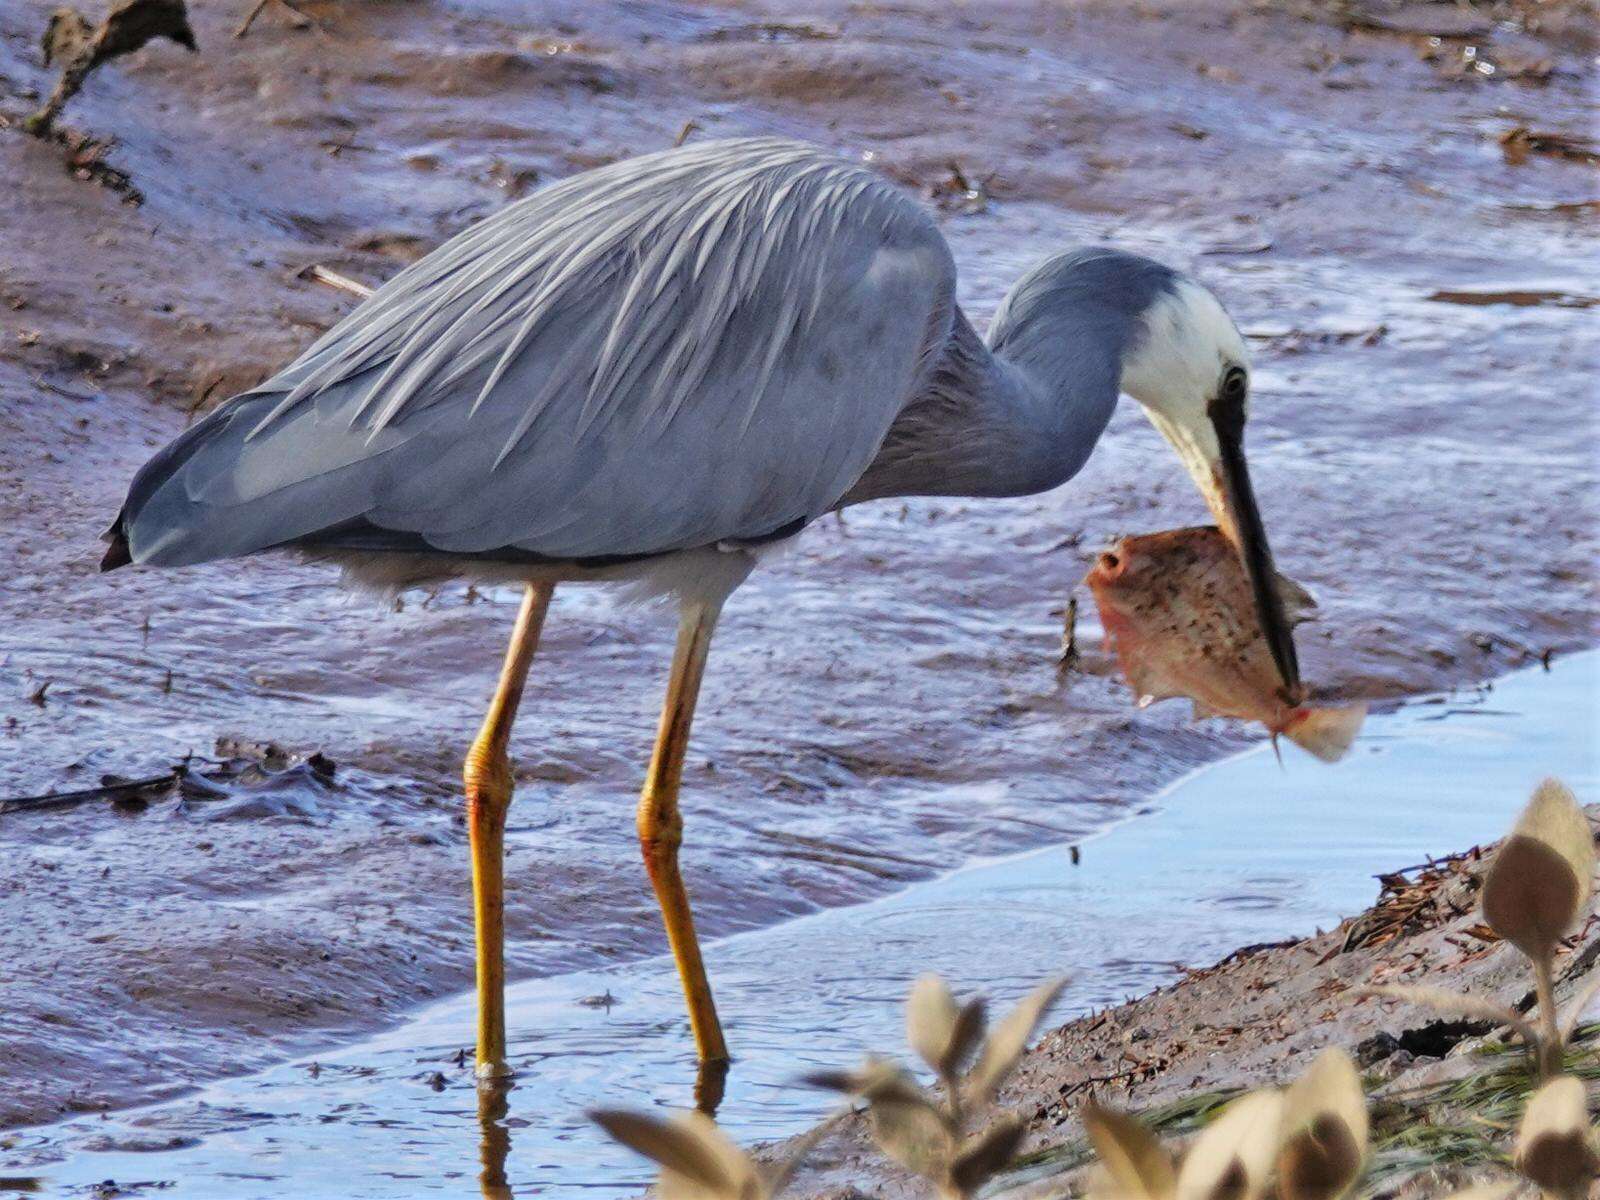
x,y
713,344
1022,413
648,372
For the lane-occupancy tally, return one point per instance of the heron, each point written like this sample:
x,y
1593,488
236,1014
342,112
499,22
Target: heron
x,y
656,373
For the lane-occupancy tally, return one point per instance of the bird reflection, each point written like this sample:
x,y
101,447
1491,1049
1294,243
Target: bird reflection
x,y
709,1084
494,1133
494,1138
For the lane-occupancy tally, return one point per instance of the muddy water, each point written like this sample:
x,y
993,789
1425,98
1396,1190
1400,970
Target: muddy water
x,y
883,705
1246,850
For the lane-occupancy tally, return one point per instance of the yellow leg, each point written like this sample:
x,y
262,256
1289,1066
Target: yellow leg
x,y
488,778
661,825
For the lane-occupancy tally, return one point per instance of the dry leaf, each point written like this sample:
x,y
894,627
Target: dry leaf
x,y
696,1159
1555,1146
1138,1166
1232,1159
931,1015
1008,1040
1541,878
878,1080
964,1039
986,1154
913,1135
1325,1130
777,1176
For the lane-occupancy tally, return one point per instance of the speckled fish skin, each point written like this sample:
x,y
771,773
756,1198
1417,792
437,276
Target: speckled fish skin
x,y
1177,608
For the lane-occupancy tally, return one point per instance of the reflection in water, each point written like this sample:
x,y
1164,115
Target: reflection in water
x,y
494,1144
710,1084
1298,842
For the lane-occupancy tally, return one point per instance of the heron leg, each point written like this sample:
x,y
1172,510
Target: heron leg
x,y
487,774
661,825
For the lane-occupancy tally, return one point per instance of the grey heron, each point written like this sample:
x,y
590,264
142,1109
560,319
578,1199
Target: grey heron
x,y
655,372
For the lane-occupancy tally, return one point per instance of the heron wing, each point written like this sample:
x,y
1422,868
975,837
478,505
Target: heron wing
x,y
702,344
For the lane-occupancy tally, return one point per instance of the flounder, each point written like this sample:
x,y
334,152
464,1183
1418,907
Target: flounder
x,y
1177,608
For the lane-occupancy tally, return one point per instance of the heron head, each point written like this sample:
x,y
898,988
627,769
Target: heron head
x,y
1190,372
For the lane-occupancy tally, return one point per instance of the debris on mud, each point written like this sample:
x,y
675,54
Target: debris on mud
x,y
112,787
1517,297
958,192
317,273
1467,61
1298,341
256,779
774,31
79,48
1520,142
1415,899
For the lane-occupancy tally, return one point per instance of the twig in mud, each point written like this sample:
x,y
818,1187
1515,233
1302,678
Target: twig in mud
x,y
1069,639
318,273
86,159
297,18
1518,143
1138,1073
120,789
201,395
197,777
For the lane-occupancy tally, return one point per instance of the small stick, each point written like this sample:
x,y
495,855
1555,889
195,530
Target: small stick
x,y
1069,638
296,18
107,791
321,274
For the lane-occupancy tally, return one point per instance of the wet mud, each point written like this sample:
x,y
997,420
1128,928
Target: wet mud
x,y
1425,467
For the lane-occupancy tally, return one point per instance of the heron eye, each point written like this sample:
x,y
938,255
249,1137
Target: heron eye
x,y
1234,384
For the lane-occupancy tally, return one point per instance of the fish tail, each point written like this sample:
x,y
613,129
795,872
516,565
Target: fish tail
x,y
1325,732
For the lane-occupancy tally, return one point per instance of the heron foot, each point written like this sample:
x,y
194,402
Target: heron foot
x,y
492,1075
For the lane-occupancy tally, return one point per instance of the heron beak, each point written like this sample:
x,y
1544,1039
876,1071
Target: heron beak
x,y
1213,452
1243,526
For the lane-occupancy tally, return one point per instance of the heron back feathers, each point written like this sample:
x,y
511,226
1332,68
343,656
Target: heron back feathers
x,y
706,343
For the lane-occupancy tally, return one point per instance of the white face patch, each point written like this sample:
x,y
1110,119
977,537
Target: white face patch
x,y
1190,339
1174,373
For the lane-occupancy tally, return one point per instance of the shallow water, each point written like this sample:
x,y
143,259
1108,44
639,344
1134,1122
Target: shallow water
x,y
1243,851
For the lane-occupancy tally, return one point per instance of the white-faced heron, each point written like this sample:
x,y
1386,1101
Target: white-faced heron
x,y
653,373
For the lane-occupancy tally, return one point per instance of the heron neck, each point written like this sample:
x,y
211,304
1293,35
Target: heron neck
x,y
993,424
1050,411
